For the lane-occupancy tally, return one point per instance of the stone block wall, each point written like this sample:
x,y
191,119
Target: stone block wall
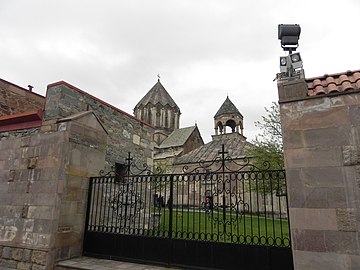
x,y
322,156
126,133
15,99
85,156
43,190
44,173
193,142
30,189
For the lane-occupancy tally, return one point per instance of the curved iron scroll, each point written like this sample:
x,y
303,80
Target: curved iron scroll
x,y
222,200
226,163
132,169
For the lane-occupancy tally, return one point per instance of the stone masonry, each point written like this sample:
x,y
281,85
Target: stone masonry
x,y
15,99
322,155
126,133
44,174
43,189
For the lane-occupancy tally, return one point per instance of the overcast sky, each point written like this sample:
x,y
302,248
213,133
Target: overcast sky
x,y
202,49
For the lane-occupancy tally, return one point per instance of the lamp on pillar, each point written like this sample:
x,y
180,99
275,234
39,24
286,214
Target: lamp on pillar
x,y
291,79
289,35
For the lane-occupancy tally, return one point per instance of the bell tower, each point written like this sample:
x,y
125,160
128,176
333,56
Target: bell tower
x,y
228,117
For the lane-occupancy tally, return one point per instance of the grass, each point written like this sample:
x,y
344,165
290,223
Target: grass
x,y
197,224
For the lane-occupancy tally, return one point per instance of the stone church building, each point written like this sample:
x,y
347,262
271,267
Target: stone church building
x,y
50,146
228,126
170,141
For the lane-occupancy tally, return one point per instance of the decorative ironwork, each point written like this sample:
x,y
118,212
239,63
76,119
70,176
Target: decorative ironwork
x,y
223,200
132,169
225,163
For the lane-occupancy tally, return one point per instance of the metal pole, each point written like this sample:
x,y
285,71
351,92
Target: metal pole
x,y
127,178
223,187
171,205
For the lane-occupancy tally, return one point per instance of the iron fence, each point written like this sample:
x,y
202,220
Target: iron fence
x,y
221,201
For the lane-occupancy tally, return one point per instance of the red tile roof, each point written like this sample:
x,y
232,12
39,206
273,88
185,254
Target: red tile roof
x,y
339,82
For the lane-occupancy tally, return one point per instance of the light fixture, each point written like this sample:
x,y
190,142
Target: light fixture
x,y
283,63
296,61
289,35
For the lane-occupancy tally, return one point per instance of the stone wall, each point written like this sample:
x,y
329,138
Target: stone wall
x,y
30,188
193,142
22,258
322,157
126,133
84,157
15,99
44,174
43,189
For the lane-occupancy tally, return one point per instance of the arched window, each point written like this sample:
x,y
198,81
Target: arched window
x,y
231,124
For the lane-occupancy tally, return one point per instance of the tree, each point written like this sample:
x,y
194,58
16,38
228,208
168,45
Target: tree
x,y
268,145
267,154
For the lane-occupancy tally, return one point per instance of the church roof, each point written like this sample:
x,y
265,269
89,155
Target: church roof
x,y
178,137
234,144
157,94
227,108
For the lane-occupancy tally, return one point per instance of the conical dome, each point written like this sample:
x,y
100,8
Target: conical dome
x,y
228,116
157,95
158,109
227,108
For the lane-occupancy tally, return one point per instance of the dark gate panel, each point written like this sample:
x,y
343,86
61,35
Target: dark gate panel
x,y
223,214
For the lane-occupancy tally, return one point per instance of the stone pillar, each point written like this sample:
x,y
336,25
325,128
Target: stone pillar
x,y
322,157
84,157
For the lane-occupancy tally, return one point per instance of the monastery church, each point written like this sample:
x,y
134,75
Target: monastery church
x,y
51,145
175,146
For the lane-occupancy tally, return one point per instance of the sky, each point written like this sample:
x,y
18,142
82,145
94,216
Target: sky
x,y
203,50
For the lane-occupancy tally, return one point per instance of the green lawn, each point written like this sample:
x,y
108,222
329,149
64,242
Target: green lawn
x,y
252,229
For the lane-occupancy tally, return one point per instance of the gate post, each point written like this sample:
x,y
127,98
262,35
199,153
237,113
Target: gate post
x,y
321,135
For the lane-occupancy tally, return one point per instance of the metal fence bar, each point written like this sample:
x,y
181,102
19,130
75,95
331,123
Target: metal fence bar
x,y
244,206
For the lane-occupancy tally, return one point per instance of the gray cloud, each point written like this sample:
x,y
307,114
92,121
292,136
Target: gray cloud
x,y
203,49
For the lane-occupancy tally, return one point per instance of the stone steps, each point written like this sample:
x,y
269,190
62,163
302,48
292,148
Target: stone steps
x,y
87,263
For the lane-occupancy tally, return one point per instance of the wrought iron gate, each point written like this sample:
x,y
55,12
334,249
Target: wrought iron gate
x,y
223,214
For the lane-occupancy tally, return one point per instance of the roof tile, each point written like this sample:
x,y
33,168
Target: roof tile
x,y
339,82
332,87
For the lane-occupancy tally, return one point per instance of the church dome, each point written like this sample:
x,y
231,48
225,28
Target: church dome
x,y
227,108
158,109
157,95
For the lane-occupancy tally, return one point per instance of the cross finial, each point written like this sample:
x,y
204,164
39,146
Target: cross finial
x,y
222,151
158,77
129,159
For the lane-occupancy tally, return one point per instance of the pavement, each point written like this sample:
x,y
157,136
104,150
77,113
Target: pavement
x,y
87,263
